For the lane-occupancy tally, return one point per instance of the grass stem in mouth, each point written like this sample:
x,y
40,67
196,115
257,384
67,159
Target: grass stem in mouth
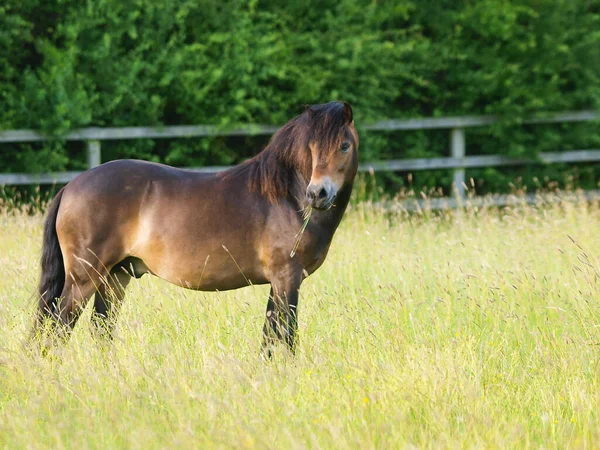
x,y
306,217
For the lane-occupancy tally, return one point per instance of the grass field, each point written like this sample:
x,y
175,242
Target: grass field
x,y
469,329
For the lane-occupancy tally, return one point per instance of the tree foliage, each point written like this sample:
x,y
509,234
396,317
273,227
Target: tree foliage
x,y
70,63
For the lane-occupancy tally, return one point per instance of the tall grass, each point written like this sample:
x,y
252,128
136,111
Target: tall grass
x,y
476,328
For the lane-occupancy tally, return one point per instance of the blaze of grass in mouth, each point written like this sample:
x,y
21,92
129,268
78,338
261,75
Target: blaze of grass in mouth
x,y
306,217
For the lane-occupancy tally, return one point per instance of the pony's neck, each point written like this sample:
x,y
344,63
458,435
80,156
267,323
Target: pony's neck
x,y
288,172
297,189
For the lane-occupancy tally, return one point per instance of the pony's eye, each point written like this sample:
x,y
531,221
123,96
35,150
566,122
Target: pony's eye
x,y
345,147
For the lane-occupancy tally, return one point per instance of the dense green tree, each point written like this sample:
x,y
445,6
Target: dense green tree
x,y
67,64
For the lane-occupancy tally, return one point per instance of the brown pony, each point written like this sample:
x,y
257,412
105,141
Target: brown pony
x,y
202,231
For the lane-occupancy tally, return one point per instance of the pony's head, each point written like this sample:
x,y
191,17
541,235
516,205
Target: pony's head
x,y
333,146
320,145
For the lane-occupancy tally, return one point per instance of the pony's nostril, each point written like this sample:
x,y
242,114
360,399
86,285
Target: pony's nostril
x,y
322,193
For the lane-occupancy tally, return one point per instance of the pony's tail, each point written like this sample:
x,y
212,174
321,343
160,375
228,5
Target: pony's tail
x,y
53,269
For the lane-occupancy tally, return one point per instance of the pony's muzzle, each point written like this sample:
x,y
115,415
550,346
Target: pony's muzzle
x,y
321,195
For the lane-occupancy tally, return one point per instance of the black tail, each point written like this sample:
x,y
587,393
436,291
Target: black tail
x,y
53,269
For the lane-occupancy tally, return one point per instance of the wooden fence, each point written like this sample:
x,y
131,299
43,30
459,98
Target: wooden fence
x,y
458,160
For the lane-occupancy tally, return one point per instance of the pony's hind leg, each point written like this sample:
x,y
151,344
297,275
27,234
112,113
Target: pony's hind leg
x,y
108,301
82,280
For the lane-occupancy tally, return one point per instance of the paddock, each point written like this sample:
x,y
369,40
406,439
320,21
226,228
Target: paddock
x,y
469,328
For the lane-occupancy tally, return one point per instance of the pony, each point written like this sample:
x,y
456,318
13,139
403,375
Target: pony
x,y
208,232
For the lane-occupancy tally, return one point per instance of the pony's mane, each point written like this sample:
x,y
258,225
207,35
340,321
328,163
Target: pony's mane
x,y
272,171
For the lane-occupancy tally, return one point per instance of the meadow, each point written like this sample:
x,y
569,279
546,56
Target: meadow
x,y
476,328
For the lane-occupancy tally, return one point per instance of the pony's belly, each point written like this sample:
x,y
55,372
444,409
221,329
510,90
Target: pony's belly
x,y
208,273
224,281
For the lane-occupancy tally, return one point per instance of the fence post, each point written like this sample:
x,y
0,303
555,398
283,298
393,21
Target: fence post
x,y
457,148
93,154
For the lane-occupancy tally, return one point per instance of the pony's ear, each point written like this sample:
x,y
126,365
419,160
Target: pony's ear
x,y
348,116
307,109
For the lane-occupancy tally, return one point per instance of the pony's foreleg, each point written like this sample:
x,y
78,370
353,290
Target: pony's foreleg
x,y
281,323
108,301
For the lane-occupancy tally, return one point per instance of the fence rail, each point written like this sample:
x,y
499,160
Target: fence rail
x,y
458,161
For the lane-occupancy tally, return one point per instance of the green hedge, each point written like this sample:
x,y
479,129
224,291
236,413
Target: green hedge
x,y
73,63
